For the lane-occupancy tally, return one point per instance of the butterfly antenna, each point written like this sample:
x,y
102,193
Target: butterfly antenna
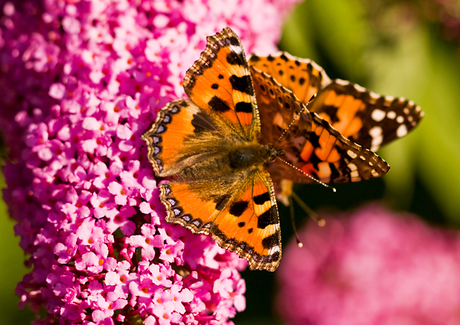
x,y
295,119
287,129
291,208
313,215
309,176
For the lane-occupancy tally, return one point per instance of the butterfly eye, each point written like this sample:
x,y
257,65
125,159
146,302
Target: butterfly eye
x,y
275,152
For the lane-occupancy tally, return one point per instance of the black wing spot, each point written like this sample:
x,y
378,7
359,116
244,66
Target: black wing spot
x,y
218,105
270,241
261,198
243,84
243,107
314,139
269,217
234,58
238,208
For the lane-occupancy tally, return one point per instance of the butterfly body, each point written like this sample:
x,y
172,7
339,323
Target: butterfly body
x,y
241,132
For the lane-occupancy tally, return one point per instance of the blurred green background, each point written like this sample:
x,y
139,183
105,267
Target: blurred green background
x,y
401,48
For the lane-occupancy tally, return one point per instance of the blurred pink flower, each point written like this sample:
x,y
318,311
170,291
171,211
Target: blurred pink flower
x,y
81,80
371,266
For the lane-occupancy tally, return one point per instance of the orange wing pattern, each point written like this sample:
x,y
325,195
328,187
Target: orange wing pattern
x,y
168,133
207,148
364,117
309,142
242,221
303,77
220,82
246,122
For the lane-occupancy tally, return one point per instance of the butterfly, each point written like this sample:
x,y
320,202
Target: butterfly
x,y
246,127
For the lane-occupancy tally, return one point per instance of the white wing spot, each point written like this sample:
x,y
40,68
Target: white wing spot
x,y
354,171
374,95
400,119
377,137
359,88
378,115
352,154
391,115
273,250
401,131
363,159
341,82
389,98
374,173
236,49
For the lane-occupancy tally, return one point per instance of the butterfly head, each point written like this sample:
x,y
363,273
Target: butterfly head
x,y
274,153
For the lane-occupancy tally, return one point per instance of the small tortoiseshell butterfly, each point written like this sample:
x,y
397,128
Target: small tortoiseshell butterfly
x,y
243,123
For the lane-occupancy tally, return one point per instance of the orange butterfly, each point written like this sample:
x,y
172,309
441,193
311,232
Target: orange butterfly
x,y
244,122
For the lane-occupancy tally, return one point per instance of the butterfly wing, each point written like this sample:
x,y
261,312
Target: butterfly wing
x,y
220,83
171,131
365,117
241,219
191,142
239,210
310,143
303,77
362,116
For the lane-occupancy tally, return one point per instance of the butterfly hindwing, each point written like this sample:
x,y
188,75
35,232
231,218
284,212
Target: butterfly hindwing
x,y
240,219
303,77
177,138
220,83
279,107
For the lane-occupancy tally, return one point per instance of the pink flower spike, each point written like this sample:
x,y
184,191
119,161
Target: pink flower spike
x,y
83,80
371,266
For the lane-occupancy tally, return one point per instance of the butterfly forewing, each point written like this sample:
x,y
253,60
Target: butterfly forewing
x,y
367,118
220,82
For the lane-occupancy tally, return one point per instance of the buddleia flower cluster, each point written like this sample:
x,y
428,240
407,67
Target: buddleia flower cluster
x,y
80,82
